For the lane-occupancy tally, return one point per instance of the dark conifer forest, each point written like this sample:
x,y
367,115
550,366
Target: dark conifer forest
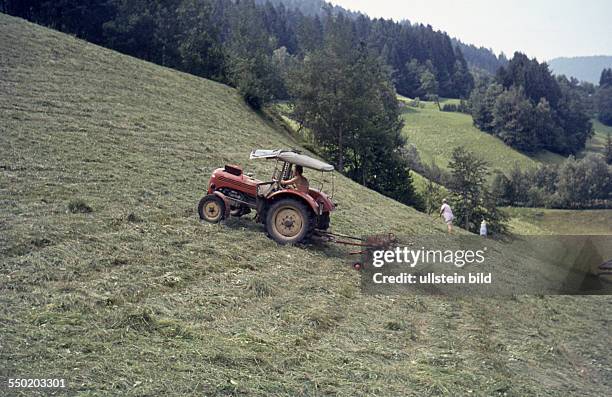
x,y
207,37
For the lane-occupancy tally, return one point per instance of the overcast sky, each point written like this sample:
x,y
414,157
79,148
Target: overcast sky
x,y
540,28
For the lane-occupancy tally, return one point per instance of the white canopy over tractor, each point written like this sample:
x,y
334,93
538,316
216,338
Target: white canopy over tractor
x,y
292,157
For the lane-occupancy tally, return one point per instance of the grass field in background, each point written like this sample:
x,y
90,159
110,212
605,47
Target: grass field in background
x,y
597,144
436,134
420,183
562,222
109,280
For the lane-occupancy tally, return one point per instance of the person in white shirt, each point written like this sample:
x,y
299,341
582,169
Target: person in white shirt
x,y
447,213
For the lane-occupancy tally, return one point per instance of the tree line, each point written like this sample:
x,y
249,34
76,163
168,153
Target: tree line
x,y
531,110
479,59
575,183
311,7
219,39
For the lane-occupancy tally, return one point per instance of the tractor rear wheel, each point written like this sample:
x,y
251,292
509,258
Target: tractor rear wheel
x,y
211,208
288,221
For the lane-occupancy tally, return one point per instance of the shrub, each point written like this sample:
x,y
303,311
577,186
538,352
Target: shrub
x,y
449,107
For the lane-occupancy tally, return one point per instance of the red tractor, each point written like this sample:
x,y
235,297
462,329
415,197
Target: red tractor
x,y
288,214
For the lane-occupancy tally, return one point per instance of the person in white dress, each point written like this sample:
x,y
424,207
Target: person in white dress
x,y
447,213
483,228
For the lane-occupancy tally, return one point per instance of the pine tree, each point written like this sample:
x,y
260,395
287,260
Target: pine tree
x,y
482,101
606,78
468,177
250,55
470,199
430,86
513,120
346,98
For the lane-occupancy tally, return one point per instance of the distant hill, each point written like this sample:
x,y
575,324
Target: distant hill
x,y
583,68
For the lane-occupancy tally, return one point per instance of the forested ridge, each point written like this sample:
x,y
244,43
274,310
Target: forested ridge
x,y
199,36
481,58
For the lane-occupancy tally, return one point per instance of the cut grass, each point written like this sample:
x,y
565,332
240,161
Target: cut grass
x,y
140,298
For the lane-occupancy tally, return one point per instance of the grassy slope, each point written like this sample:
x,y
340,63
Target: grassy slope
x,y
420,183
436,134
565,222
158,302
597,144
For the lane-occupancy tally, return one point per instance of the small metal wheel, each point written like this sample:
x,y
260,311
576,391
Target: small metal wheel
x,y
211,208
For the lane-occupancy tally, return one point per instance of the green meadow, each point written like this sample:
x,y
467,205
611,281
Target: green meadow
x,y
597,144
528,221
436,134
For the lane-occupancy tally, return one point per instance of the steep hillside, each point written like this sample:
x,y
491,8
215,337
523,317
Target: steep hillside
x,y
436,134
109,280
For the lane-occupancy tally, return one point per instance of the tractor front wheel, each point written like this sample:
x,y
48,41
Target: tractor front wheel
x,y
211,208
288,221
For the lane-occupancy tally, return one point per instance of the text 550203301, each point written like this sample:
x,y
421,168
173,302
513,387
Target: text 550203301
x,y
36,383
